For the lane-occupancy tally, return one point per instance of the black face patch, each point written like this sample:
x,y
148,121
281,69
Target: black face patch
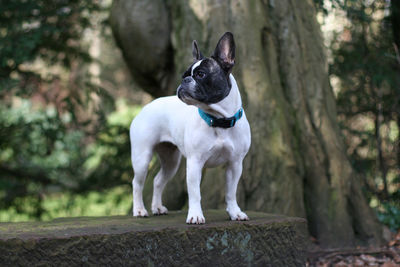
x,y
211,84
188,72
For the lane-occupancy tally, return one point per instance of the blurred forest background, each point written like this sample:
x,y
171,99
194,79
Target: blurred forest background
x,y
67,99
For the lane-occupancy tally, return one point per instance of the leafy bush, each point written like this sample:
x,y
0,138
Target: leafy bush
x,y
389,214
46,164
64,142
38,154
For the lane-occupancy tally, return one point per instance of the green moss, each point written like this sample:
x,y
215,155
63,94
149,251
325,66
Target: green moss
x,y
76,226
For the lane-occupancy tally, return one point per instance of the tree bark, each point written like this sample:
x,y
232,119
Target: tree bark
x,y
395,19
297,164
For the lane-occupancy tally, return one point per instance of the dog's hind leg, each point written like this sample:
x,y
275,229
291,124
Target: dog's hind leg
x,y
170,158
140,164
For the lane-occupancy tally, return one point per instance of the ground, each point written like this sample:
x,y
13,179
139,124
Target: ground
x,y
386,256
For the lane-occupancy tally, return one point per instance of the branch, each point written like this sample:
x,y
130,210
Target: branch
x,y
24,174
396,50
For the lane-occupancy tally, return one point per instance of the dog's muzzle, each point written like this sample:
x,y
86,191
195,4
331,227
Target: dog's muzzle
x,y
187,80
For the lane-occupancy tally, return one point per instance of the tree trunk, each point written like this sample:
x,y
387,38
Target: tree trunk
x,y
297,163
395,19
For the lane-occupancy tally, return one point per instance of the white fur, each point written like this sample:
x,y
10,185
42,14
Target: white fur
x,y
195,65
168,119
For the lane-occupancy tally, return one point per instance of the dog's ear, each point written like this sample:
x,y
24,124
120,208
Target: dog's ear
x,y
197,55
224,53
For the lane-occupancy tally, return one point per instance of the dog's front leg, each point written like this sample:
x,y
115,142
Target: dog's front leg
x,y
193,179
233,173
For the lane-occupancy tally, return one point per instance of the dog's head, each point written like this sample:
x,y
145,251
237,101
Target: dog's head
x,y
207,80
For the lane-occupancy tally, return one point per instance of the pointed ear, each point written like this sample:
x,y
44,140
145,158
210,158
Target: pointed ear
x,y
224,53
196,52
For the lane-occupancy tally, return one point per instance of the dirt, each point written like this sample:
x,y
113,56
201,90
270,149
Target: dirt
x,y
385,256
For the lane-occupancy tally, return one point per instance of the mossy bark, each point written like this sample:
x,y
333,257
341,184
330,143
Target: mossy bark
x,y
297,163
267,240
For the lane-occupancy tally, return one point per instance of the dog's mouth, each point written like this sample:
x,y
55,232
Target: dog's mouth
x,y
181,94
184,95
186,98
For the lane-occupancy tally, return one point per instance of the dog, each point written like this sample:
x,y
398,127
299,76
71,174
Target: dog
x,y
205,122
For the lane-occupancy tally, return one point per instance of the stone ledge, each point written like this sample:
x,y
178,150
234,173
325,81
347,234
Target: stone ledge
x,y
265,240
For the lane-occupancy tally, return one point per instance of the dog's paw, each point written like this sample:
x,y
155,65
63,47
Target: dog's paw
x,y
160,210
140,212
195,218
238,216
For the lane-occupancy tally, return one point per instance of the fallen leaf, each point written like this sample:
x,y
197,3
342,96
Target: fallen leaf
x,y
341,264
368,258
389,264
359,263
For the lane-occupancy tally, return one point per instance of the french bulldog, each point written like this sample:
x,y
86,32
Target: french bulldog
x,y
205,123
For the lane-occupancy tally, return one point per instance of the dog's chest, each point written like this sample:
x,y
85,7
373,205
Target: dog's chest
x,y
221,150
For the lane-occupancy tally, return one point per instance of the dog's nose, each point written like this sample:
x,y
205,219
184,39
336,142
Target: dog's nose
x,y
187,79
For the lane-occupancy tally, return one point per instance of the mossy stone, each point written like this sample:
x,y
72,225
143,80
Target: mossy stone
x,y
265,240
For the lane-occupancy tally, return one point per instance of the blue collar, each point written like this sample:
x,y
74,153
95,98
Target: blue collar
x,y
221,122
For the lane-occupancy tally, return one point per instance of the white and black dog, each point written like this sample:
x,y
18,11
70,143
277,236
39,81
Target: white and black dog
x,y
205,122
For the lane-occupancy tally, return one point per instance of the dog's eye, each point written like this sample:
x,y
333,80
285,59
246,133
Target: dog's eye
x,y
200,74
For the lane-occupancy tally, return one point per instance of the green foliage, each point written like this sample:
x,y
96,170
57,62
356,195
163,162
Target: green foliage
x,y
320,5
46,29
112,147
389,214
60,153
38,153
42,159
113,201
367,65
